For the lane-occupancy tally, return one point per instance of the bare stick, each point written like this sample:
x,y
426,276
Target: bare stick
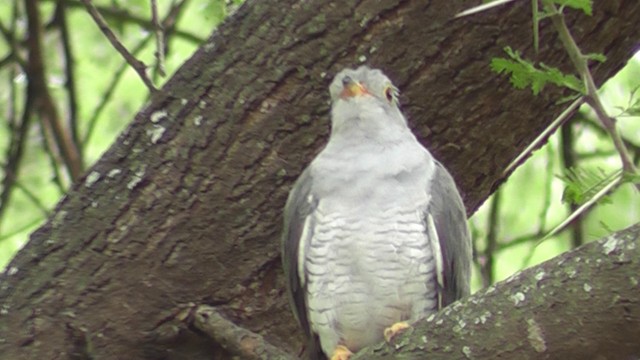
x,y
136,64
238,341
159,32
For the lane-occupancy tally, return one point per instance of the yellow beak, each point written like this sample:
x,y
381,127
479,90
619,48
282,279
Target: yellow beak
x,y
352,88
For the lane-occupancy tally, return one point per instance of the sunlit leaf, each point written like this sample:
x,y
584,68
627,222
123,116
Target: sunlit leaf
x,y
581,184
524,73
584,5
599,57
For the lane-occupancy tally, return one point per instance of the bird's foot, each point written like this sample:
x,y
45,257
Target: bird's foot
x,y
341,353
395,329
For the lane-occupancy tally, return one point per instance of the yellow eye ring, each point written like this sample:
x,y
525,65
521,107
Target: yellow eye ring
x,y
391,93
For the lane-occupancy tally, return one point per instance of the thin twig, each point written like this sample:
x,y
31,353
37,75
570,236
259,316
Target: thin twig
x,y
110,91
124,16
481,8
597,127
49,148
546,200
33,198
544,209
14,54
599,195
592,97
571,161
136,64
18,129
167,23
43,101
493,225
21,229
561,119
69,66
159,32
522,239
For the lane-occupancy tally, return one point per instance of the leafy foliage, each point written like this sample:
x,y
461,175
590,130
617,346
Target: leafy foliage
x,y
582,184
524,73
593,181
633,106
584,5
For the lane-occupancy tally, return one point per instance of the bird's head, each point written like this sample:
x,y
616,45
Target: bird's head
x,y
363,84
364,97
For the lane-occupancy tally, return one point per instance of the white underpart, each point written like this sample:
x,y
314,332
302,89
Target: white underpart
x,y
380,272
304,239
437,256
369,260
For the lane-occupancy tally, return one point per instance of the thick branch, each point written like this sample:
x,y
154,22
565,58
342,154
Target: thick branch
x,y
238,341
583,304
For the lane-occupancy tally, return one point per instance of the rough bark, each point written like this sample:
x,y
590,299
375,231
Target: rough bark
x,y
185,207
584,304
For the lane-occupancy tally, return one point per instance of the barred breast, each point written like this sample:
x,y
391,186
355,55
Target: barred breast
x,y
366,273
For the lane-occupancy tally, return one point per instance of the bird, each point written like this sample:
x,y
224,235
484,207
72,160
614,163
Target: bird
x,y
375,231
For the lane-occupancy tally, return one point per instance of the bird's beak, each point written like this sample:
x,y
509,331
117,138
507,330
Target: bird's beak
x,y
352,88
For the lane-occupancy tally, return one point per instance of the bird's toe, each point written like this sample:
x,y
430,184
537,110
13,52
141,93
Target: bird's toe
x,y
395,329
341,353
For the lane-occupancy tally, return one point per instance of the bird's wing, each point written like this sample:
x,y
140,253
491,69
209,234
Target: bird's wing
x,y
451,243
298,230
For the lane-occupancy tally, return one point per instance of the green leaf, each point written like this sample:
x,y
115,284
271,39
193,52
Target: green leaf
x,y
606,227
581,184
500,65
524,73
631,178
556,76
599,57
566,99
584,5
633,106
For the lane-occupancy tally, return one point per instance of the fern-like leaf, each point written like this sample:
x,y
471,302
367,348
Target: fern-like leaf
x,y
581,184
524,73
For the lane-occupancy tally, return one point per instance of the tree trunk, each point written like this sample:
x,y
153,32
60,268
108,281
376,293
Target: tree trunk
x,y
185,207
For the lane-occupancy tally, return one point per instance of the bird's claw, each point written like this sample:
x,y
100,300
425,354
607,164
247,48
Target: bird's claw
x,y
395,329
341,353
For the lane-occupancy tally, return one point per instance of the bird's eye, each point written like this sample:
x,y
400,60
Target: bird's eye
x,y
390,92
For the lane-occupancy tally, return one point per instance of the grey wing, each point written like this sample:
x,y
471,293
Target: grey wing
x,y
446,213
297,232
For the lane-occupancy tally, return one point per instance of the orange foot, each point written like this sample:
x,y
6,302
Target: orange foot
x,y
395,329
341,353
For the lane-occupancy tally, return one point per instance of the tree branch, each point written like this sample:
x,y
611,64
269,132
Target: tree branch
x,y
70,78
42,98
136,64
583,304
238,341
158,30
122,15
567,152
168,22
592,98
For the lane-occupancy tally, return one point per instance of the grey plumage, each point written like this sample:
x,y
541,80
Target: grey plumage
x,y
375,231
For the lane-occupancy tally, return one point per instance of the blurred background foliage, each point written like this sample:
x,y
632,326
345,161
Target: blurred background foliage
x,y
96,94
